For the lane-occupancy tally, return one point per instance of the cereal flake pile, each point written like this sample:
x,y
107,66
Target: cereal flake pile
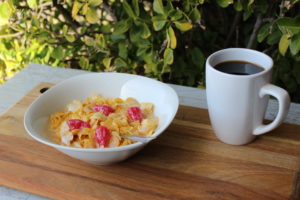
x,y
99,122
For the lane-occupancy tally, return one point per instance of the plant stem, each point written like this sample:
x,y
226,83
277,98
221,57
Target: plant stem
x,y
270,19
269,49
233,27
237,35
11,35
255,30
163,46
74,24
281,6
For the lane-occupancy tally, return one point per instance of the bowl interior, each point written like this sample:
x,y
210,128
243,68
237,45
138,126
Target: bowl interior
x,y
110,85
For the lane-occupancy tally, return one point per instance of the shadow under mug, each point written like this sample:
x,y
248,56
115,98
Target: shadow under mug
x,y
237,103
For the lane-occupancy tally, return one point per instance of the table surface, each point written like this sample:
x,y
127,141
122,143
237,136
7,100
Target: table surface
x,y
14,89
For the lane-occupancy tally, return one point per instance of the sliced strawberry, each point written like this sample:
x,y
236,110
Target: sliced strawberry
x,y
85,125
106,110
77,124
102,136
135,113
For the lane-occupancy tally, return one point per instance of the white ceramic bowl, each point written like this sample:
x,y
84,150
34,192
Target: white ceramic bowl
x,y
36,120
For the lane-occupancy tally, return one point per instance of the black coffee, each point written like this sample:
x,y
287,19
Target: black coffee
x,y
238,67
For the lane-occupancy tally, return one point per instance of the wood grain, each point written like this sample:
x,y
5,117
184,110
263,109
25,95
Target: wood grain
x,y
186,162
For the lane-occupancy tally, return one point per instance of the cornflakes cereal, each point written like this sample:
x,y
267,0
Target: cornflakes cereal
x,y
99,122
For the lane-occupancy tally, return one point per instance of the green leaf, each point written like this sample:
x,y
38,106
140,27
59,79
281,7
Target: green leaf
x,y
158,7
89,41
65,29
5,13
120,64
195,14
106,28
58,53
250,2
70,38
169,6
247,13
32,4
150,57
201,1
92,16
198,58
85,9
224,3
135,34
95,3
84,63
168,56
166,68
136,8
106,62
295,45
175,15
186,5
117,37
283,44
122,26
18,57
141,30
43,36
263,32
173,40
151,68
48,54
274,37
11,5
145,31
288,25
123,52
55,63
128,9
183,26
35,21
135,37
75,9
100,41
238,6
142,51
159,22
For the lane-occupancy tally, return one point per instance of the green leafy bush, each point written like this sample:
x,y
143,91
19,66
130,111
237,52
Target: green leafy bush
x,y
168,40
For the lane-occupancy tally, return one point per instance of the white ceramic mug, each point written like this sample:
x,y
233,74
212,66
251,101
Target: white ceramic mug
x,y
237,103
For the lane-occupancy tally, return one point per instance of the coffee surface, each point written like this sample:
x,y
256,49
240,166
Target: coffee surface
x,y
238,67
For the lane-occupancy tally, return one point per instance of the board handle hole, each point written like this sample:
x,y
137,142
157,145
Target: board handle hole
x,y
44,90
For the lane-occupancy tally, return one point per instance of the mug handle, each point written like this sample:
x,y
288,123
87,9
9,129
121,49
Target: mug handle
x,y
284,103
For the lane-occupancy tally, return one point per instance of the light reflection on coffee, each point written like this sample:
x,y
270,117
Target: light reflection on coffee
x,y
237,67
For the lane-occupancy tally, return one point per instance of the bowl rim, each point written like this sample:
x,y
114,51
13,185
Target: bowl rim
x,y
107,149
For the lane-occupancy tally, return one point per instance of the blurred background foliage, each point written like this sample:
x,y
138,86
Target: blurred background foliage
x,y
168,40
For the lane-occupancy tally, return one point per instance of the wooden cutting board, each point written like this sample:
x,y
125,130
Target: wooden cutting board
x,y
185,162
